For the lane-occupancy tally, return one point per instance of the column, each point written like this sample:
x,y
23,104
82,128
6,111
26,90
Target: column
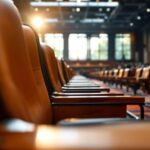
x,y
139,46
66,51
88,47
111,46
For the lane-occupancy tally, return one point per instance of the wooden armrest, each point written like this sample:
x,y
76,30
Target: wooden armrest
x,y
131,78
93,121
82,86
87,94
115,136
99,99
142,79
85,90
92,106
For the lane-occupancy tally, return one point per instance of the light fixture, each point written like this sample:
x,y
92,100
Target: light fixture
x,y
131,24
77,9
71,16
106,17
138,17
74,3
78,1
47,9
148,10
108,9
98,20
36,9
100,9
38,22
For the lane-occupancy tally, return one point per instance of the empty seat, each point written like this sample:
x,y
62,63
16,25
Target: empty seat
x,y
21,83
20,95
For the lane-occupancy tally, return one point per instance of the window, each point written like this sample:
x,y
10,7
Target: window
x,y
56,42
123,47
77,46
99,47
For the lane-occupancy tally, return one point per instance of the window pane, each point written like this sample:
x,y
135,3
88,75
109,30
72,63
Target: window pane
x,y
55,41
123,47
77,46
99,47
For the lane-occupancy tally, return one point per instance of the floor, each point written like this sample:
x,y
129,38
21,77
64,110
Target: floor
x,y
132,109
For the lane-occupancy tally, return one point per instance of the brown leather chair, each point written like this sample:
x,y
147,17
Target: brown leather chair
x,y
72,105
21,83
126,75
140,80
72,80
82,103
84,108
76,79
53,73
20,95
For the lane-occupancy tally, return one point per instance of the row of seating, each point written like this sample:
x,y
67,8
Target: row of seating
x,y
131,77
31,90
32,94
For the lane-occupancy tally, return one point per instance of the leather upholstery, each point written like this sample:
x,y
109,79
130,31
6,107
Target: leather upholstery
x,y
53,73
52,67
36,68
18,87
62,79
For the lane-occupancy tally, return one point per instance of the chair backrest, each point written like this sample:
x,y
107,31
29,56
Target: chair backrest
x,y
32,50
52,67
110,73
138,72
65,71
115,72
145,73
121,71
61,74
18,87
126,72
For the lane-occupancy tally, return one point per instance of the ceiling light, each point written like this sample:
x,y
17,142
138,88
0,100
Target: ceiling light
x,y
78,1
108,9
37,22
148,10
131,24
47,9
100,9
77,9
36,9
106,17
71,16
92,20
72,4
52,20
138,17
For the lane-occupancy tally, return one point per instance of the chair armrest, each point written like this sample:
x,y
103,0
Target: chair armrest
x,y
94,121
142,79
92,106
85,90
87,94
98,100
